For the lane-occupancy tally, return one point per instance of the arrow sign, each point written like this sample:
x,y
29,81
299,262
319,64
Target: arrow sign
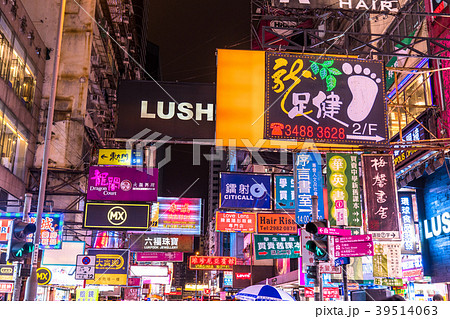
x,y
375,138
354,239
353,249
333,231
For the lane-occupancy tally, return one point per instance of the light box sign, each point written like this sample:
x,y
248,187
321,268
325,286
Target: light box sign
x,y
273,223
117,216
380,195
188,112
236,222
181,216
343,189
115,183
211,262
111,267
277,246
125,157
308,182
408,228
4,230
387,260
326,99
362,5
51,228
284,192
162,242
149,256
245,191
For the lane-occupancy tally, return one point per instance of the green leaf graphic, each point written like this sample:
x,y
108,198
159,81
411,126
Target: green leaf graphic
x,y
334,71
315,68
328,63
323,73
331,82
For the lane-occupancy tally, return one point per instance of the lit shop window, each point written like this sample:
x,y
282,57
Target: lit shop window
x,y
414,94
13,143
13,66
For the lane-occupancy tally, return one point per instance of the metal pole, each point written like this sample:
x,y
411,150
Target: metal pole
x,y
345,282
31,290
318,285
195,285
251,259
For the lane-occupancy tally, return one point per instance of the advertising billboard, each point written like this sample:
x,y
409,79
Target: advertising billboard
x,y
115,183
124,157
284,192
236,222
273,223
380,196
119,216
164,243
245,191
111,267
363,5
277,246
405,200
182,111
212,262
181,216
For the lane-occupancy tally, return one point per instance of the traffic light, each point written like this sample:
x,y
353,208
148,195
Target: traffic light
x,y
319,244
18,247
311,272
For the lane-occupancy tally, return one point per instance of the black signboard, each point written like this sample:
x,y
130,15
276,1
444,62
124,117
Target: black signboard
x,y
166,243
380,195
386,5
180,111
116,216
324,98
413,132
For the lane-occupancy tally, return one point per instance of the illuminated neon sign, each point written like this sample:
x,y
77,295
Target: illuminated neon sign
x,y
212,262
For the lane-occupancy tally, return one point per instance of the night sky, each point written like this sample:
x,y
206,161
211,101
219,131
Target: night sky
x,y
189,32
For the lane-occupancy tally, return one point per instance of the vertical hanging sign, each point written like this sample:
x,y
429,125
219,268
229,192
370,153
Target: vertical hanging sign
x,y
408,228
343,189
308,182
380,195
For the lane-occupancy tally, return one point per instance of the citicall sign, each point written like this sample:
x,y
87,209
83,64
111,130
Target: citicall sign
x,y
246,275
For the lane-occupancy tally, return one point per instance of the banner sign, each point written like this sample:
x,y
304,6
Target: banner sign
x,y
51,228
387,260
308,182
380,194
273,223
326,99
284,192
211,262
277,246
343,190
408,227
116,216
115,183
165,243
236,222
188,112
126,157
159,256
111,267
249,191
181,216
363,5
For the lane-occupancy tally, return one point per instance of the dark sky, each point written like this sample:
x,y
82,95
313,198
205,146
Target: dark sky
x,y
189,32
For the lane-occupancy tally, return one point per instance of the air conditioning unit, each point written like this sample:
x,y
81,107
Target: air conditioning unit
x,y
96,60
126,20
129,35
101,114
94,98
126,60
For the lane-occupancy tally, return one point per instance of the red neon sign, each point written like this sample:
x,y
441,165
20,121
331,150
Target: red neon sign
x,y
246,275
211,262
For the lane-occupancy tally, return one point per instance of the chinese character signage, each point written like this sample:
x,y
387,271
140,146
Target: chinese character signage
x,y
343,189
277,246
250,191
51,228
273,223
308,182
387,260
126,157
408,228
116,183
111,267
211,262
6,287
87,294
326,99
284,192
181,216
167,243
116,216
236,222
380,194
